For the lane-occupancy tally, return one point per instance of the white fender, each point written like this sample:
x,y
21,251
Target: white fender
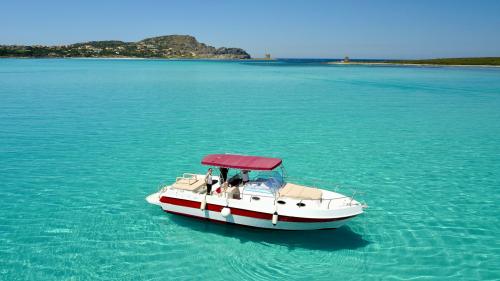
x,y
275,218
225,212
203,203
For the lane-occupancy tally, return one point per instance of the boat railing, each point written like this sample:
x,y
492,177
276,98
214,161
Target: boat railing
x,y
318,183
276,197
187,177
321,184
162,186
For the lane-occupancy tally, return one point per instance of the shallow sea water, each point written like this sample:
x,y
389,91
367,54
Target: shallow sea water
x,y
83,142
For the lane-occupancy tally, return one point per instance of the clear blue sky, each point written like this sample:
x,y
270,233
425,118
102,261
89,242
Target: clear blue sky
x,y
308,29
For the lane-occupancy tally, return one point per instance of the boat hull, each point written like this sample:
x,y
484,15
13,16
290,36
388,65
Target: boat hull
x,y
249,218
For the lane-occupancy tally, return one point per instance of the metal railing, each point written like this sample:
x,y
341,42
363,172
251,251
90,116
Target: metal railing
x,y
162,186
191,178
337,186
276,197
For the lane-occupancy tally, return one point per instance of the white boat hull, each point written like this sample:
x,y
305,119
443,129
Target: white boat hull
x,y
252,222
243,214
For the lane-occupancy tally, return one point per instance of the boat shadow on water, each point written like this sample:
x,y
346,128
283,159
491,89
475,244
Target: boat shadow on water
x,y
325,240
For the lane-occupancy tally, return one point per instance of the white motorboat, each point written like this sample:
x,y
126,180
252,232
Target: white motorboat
x,y
267,200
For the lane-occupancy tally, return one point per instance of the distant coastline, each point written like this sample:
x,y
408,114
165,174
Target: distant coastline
x,y
141,58
457,62
166,47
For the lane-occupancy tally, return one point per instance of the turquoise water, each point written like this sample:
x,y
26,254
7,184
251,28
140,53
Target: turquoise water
x,y
83,142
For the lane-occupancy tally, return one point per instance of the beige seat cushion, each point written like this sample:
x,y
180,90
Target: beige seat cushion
x,y
192,184
300,192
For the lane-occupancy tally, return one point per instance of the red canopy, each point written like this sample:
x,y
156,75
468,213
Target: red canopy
x,y
241,162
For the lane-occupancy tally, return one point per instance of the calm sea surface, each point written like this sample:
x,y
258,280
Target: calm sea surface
x,y
83,142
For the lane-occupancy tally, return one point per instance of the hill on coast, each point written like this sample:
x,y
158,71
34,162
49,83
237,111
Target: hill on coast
x,y
169,46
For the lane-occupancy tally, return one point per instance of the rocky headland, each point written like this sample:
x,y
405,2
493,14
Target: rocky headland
x,y
169,46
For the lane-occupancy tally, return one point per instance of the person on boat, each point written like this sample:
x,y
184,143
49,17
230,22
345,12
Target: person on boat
x,y
209,181
223,174
244,177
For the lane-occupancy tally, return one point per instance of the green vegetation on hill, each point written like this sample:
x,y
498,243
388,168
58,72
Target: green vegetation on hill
x,y
170,46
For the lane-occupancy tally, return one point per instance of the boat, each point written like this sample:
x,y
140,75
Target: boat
x,y
264,200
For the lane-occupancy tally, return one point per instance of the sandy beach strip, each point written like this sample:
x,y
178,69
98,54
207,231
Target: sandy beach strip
x,y
408,64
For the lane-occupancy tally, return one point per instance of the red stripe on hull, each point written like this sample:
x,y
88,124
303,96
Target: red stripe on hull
x,y
243,212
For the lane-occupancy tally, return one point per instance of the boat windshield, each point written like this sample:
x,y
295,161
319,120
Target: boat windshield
x,y
268,182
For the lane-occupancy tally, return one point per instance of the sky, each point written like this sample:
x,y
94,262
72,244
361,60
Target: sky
x,y
382,29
